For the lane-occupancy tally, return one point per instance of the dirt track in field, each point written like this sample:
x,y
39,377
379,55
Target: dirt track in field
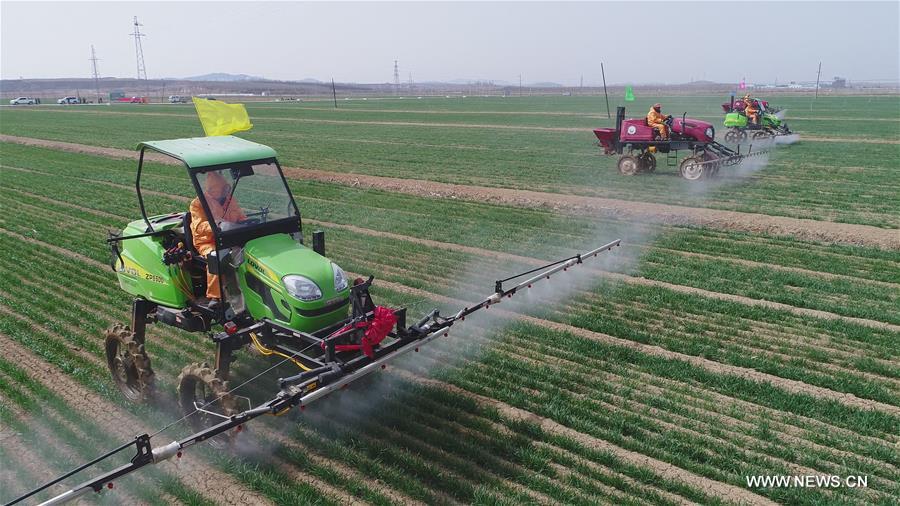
x,y
642,211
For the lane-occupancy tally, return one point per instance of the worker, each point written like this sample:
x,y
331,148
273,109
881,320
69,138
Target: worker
x,y
657,120
225,209
751,109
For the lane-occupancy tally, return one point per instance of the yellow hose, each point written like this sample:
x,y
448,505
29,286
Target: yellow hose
x,y
266,352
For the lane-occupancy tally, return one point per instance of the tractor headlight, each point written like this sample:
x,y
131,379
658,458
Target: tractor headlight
x,y
302,288
710,133
340,279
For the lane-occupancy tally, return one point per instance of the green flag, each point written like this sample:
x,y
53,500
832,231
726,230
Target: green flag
x,y
629,94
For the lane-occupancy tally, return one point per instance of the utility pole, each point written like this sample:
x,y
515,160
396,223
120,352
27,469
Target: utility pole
x,y
93,60
520,85
334,92
818,75
603,73
138,50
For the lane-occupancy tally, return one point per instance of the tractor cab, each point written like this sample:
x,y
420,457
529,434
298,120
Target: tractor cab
x,y
252,245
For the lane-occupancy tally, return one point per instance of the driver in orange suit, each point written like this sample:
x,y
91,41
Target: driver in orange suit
x,y
656,119
224,208
752,111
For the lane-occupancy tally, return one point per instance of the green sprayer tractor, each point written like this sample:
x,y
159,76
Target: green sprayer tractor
x,y
272,294
739,127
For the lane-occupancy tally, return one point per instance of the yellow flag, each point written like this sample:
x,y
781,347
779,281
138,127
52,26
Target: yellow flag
x,y
219,118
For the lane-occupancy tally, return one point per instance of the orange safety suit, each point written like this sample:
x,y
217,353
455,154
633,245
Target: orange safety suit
x,y
657,120
223,208
751,109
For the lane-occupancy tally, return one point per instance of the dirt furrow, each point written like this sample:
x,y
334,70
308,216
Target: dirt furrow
x,y
120,425
642,211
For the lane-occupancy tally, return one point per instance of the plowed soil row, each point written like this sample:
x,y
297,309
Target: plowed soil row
x,y
641,211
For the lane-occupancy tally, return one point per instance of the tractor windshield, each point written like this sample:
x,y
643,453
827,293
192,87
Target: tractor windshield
x,y
246,195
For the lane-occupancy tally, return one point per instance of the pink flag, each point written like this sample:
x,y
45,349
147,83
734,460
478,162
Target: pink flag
x,y
743,83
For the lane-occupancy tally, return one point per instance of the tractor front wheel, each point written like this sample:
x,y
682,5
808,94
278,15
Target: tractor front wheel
x,y
129,364
692,168
205,401
733,136
629,165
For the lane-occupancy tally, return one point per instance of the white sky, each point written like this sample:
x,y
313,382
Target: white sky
x,y
357,42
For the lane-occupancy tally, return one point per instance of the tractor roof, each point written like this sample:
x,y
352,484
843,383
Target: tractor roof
x,y
198,152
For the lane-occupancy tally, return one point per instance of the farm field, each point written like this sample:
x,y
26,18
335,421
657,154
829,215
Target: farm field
x,y
701,352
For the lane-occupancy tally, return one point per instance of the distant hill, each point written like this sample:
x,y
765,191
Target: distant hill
x,y
221,76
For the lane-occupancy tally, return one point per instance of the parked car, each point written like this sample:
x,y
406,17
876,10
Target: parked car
x,y
68,100
22,101
177,99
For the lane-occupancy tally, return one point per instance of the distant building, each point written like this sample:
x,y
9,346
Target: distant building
x,y
839,82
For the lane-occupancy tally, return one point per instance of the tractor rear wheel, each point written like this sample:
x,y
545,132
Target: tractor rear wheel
x,y
629,165
760,135
692,168
205,401
129,364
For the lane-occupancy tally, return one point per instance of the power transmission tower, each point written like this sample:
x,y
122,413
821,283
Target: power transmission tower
x,y
94,60
396,77
138,50
410,82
